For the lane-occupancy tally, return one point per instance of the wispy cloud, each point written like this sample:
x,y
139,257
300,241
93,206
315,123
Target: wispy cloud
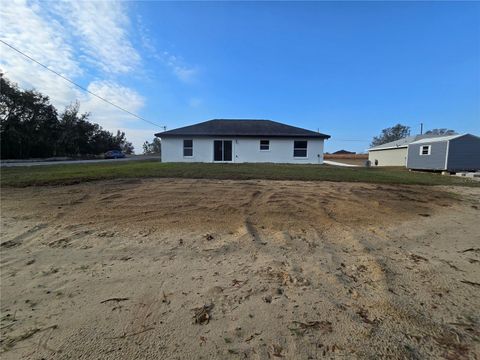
x,y
24,26
176,64
184,72
102,28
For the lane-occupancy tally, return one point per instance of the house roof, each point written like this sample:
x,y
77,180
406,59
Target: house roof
x,y
403,143
341,152
242,127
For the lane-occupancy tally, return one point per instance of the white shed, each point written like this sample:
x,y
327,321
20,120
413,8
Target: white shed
x,y
242,140
393,153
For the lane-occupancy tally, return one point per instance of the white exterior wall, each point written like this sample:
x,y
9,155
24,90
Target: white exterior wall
x,y
389,157
243,150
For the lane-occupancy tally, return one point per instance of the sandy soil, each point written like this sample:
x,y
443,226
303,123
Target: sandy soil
x,y
197,269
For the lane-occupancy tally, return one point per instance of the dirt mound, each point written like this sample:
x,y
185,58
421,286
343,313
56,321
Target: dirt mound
x,y
239,269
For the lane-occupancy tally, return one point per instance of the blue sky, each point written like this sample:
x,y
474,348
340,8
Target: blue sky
x,y
347,69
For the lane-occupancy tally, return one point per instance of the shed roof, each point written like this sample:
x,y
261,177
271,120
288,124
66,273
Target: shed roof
x,y
438,139
242,127
403,143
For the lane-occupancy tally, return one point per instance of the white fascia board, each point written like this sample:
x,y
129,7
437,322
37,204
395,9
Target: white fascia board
x,y
389,148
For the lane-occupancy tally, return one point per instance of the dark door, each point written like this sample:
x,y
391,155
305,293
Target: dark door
x,y
222,150
227,150
217,150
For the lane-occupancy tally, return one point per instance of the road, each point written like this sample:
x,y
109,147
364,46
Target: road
x,y
63,162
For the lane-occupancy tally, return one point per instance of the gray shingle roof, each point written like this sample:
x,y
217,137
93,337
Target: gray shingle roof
x,y
242,127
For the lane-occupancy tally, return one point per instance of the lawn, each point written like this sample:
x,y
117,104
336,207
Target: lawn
x,y
76,173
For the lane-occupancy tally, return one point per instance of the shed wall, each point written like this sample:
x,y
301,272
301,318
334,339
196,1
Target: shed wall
x,y
434,161
388,157
464,154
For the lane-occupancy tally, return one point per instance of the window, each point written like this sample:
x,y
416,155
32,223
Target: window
x,y
264,145
300,149
187,147
425,149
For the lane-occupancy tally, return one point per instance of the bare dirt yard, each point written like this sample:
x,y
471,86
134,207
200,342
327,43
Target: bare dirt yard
x,y
202,269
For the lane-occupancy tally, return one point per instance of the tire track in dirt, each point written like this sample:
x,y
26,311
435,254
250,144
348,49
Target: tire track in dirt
x,y
249,212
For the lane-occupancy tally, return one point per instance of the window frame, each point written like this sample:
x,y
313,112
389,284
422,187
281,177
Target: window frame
x,y
187,148
300,149
429,150
268,145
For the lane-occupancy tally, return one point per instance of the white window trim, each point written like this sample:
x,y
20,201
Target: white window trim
x,y
260,145
429,150
446,155
183,149
306,150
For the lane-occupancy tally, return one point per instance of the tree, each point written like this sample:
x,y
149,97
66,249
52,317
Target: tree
x,y
122,144
28,122
30,127
155,147
440,132
127,148
396,132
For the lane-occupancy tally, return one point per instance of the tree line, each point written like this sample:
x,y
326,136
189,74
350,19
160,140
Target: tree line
x,y
31,127
400,131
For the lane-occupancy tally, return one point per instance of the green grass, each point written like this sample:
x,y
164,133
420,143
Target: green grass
x,y
76,173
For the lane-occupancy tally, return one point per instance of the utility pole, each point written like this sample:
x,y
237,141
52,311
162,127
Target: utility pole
x,y
421,128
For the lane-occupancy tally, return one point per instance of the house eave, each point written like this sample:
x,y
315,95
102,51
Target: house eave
x,y
299,136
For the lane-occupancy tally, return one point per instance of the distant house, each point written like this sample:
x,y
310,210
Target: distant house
x,y
344,152
447,153
242,140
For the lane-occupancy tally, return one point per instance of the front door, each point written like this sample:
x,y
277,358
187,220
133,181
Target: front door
x,y
222,150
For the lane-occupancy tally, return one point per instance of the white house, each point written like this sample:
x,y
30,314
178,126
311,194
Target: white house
x,y
241,140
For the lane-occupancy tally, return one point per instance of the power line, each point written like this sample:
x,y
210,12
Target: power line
x,y
80,86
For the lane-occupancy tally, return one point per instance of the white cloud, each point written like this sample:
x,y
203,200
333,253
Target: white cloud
x,y
102,28
107,115
24,27
113,119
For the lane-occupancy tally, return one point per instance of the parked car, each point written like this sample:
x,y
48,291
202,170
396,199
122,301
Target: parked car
x,y
114,154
